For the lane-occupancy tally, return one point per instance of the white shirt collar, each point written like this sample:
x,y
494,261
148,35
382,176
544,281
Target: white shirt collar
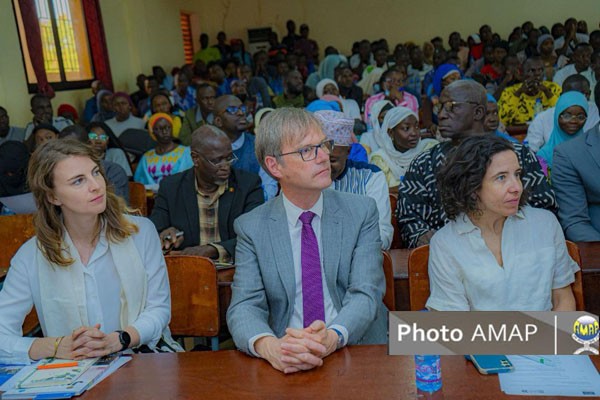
x,y
464,224
293,212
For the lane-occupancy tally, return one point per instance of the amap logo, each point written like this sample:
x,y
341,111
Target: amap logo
x,y
586,331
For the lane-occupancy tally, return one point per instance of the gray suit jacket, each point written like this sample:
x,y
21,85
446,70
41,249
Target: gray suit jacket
x,y
264,286
576,182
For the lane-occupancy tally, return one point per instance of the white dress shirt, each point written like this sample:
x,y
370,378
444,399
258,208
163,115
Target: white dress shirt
x,y
568,70
295,227
21,291
538,132
464,275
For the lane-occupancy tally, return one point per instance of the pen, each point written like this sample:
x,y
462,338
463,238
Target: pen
x,y
59,365
178,234
540,360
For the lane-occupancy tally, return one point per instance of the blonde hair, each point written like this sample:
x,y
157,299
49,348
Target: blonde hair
x,y
48,223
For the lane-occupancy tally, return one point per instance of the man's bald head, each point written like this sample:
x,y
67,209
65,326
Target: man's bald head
x,y
207,136
463,110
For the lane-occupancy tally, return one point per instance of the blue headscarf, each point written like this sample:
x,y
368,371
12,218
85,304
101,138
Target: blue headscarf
x,y
438,77
558,136
321,105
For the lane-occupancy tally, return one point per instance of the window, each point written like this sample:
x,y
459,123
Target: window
x,y
65,50
186,32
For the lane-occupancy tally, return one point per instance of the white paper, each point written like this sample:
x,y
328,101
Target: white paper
x,y
20,204
561,376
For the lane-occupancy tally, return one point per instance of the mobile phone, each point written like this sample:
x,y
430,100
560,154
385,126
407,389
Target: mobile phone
x,y
491,364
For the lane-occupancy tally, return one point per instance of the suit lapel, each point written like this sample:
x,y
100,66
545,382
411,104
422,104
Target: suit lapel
x,y
331,237
190,202
593,142
224,210
279,236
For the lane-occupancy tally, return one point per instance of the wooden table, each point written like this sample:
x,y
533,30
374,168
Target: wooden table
x,y
358,372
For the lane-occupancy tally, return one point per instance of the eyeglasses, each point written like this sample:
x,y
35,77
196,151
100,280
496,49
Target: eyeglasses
x,y
570,117
448,106
220,163
233,110
309,153
94,136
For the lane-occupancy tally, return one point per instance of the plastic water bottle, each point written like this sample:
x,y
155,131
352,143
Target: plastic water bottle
x,y
538,107
428,373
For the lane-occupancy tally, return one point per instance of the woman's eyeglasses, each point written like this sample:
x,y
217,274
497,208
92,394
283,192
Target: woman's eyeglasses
x,y
570,117
94,136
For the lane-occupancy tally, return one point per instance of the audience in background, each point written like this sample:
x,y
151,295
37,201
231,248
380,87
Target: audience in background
x,y
104,141
41,108
199,115
124,119
8,132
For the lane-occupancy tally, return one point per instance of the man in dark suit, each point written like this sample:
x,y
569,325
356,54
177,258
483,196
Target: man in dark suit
x,y
195,209
577,186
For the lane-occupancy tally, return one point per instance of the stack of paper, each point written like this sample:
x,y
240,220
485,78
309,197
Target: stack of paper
x,y
554,376
60,383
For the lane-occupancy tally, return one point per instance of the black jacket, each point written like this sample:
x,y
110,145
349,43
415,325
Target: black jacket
x,y
176,205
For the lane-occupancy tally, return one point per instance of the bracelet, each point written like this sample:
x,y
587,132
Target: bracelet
x,y
56,344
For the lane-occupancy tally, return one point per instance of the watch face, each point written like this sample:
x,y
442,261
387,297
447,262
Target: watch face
x,y
125,339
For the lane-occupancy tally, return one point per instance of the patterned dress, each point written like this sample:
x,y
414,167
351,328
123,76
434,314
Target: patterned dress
x,y
153,167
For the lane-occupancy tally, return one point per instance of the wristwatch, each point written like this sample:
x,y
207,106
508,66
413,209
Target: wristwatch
x,y
340,341
125,339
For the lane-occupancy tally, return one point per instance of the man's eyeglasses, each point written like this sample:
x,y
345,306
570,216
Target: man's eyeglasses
x,y
309,153
570,117
448,106
222,162
233,110
94,136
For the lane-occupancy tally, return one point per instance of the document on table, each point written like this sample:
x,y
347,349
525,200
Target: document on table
x,y
560,376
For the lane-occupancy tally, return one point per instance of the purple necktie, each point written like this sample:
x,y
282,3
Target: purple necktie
x,y
312,282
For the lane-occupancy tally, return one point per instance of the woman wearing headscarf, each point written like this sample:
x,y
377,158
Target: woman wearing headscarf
x,y
167,158
552,62
160,102
399,143
569,118
378,111
104,102
326,69
14,157
330,87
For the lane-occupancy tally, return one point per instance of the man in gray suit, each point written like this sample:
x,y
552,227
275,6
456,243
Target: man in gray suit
x,y
576,182
309,277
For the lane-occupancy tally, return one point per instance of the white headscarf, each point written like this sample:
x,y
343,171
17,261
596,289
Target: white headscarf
x,y
321,86
397,161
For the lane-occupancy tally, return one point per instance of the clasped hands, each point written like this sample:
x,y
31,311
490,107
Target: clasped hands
x,y
88,342
299,349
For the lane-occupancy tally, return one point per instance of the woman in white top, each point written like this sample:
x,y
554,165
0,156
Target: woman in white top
x,y
496,253
96,277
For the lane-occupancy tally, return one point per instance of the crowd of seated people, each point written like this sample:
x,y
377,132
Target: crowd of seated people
x,y
277,160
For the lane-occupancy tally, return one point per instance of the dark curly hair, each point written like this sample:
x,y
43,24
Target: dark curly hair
x,y
460,178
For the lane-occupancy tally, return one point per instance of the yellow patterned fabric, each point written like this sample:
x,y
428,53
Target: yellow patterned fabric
x,y
518,110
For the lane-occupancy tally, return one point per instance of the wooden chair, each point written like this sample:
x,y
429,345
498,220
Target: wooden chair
x,y
194,297
418,277
137,198
14,231
390,294
396,240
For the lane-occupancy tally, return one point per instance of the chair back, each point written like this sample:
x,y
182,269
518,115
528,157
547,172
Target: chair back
x,y
396,240
390,293
576,286
137,198
136,141
14,231
194,296
418,277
